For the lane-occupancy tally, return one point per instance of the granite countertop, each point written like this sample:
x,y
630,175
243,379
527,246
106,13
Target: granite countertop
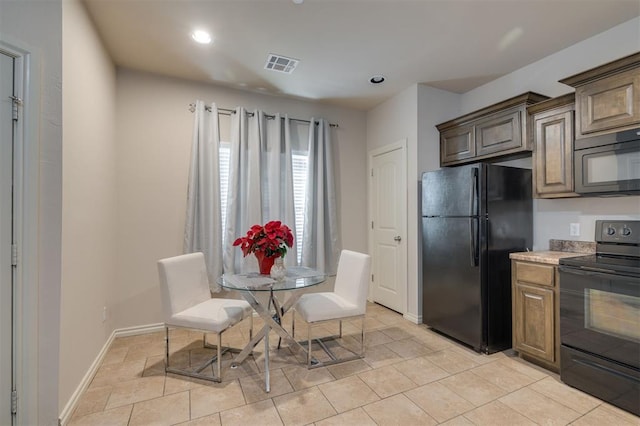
x,y
549,256
558,249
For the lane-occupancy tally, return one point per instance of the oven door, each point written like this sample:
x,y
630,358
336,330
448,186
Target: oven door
x,y
600,313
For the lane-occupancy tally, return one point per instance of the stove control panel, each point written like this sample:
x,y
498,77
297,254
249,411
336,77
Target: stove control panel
x,y
618,231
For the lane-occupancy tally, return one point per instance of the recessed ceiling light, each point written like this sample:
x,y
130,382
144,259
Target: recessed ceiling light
x,y
298,1
376,79
201,37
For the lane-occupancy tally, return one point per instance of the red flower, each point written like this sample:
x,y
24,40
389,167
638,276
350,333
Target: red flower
x,y
273,239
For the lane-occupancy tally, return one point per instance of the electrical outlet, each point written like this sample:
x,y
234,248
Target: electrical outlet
x,y
574,229
104,313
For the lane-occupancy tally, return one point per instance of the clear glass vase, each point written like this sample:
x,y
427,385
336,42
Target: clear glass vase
x,y
278,270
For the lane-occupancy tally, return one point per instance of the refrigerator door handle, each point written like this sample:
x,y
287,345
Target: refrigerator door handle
x,y
473,232
473,248
472,193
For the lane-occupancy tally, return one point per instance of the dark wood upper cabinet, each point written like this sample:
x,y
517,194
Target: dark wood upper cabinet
x,y
552,124
457,144
494,132
607,97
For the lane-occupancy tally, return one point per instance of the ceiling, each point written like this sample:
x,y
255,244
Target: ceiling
x,y
455,45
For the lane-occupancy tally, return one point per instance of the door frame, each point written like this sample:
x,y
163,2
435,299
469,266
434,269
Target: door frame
x,y
7,375
25,228
400,144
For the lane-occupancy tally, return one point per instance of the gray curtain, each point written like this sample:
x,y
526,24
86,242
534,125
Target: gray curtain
x,y
321,244
260,182
203,226
260,189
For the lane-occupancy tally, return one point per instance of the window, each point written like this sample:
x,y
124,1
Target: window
x,y
300,162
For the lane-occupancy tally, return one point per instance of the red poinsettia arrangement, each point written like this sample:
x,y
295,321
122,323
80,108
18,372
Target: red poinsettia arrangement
x,y
272,239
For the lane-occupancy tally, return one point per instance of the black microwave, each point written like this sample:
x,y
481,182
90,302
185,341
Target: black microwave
x,y
608,164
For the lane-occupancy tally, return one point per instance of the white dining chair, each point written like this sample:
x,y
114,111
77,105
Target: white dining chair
x,y
347,301
187,303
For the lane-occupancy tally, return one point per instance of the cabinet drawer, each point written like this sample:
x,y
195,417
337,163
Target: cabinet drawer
x,y
535,273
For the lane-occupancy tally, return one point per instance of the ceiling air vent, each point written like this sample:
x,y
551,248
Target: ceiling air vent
x,y
280,63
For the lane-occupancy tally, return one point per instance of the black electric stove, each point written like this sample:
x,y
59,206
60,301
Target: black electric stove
x,y
600,316
617,249
605,263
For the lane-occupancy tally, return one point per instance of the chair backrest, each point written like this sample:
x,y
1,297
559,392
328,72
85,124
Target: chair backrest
x,y
352,278
183,282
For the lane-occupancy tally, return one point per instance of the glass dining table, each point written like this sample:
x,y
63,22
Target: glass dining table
x,y
261,291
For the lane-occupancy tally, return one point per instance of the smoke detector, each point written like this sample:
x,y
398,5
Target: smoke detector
x,y
280,63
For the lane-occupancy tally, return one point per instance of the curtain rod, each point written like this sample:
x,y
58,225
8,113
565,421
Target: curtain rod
x,y
227,111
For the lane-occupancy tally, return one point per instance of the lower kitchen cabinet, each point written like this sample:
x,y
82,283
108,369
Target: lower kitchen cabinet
x,y
535,310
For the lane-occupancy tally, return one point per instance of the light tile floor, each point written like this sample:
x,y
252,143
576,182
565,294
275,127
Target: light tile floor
x,y
409,376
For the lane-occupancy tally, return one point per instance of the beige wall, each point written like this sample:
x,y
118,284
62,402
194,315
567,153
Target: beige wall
x,y
154,130
35,28
433,105
392,121
88,198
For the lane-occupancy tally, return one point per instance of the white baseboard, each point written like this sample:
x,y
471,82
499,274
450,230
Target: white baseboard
x,y
416,319
67,411
141,329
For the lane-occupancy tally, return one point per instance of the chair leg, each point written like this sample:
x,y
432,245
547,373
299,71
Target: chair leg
x,y
215,362
355,353
293,325
219,360
309,347
251,326
166,348
362,338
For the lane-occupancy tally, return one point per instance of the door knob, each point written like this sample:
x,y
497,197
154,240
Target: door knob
x,y
397,238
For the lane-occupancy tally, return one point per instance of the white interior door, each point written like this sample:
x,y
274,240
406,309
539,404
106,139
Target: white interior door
x,y
6,292
388,195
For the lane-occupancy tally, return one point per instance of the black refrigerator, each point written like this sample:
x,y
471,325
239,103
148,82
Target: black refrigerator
x,y
472,217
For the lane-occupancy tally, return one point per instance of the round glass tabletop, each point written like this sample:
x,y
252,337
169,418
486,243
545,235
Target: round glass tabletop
x,y
297,277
